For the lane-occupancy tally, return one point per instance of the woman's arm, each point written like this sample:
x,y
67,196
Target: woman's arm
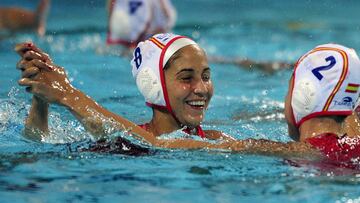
x,y
217,135
98,120
36,123
248,146
49,83
14,19
41,15
266,66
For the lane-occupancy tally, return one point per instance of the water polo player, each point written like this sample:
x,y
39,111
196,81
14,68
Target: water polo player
x,y
321,102
172,73
133,21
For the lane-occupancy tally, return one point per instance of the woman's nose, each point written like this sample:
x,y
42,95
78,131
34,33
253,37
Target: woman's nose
x,y
200,87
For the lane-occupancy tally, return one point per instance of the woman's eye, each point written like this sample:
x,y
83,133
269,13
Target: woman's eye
x,y
206,77
186,78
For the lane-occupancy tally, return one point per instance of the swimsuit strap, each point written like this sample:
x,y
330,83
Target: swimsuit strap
x,y
144,126
199,131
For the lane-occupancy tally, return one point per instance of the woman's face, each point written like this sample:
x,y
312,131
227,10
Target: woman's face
x,y
189,85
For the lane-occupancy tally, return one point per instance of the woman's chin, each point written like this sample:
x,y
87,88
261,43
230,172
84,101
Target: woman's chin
x,y
194,121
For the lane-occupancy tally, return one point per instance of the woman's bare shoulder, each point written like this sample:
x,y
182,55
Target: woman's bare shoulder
x,y
215,135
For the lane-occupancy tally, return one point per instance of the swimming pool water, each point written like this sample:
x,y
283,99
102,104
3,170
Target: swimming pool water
x,y
247,104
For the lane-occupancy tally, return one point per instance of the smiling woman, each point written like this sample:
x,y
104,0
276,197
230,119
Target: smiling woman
x,y
171,72
175,82
189,78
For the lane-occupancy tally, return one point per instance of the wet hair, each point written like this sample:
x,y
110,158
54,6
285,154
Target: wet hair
x,y
119,145
171,60
339,119
175,56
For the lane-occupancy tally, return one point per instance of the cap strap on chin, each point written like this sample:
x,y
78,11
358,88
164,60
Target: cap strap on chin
x,y
163,108
170,48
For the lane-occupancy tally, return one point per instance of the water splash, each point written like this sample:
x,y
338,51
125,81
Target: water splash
x,y
12,112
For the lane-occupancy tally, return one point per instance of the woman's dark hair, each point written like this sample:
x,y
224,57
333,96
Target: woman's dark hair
x,y
171,60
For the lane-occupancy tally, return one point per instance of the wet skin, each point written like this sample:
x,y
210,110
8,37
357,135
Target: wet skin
x,y
313,127
189,85
48,84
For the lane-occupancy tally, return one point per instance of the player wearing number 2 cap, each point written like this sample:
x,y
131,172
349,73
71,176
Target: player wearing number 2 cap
x,y
325,82
320,105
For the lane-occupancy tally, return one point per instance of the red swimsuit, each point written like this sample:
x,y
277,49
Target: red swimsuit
x,y
338,149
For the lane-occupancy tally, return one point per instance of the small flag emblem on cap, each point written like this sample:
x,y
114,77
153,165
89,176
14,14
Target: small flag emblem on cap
x,y
352,88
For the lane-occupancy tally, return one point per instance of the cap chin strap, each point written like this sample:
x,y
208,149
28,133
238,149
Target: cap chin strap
x,y
155,106
164,108
170,48
199,130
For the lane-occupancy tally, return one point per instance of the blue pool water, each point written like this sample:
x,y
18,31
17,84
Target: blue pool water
x,y
247,104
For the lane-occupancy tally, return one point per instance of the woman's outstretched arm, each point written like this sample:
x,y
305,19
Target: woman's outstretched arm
x,y
265,66
248,146
50,85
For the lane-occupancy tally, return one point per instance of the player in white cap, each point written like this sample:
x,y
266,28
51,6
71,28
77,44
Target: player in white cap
x,y
133,21
172,73
322,98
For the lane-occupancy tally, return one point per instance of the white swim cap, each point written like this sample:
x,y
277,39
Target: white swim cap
x,y
357,106
149,59
325,82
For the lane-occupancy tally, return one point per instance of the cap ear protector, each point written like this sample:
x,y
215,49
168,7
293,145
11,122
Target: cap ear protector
x,y
149,85
305,97
149,59
325,82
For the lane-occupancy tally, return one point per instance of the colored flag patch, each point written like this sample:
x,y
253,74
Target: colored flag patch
x,y
352,88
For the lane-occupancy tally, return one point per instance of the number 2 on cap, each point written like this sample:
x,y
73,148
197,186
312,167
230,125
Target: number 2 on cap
x,y
316,71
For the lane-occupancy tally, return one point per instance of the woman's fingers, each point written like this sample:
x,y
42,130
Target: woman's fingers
x,y
23,50
24,64
29,55
43,66
21,64
26,82
31,85
30,72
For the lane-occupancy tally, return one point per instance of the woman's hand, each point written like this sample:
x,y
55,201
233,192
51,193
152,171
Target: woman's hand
x,y
50,84
41,77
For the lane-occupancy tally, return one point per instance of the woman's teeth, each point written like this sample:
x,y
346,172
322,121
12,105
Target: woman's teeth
x,y
196,103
